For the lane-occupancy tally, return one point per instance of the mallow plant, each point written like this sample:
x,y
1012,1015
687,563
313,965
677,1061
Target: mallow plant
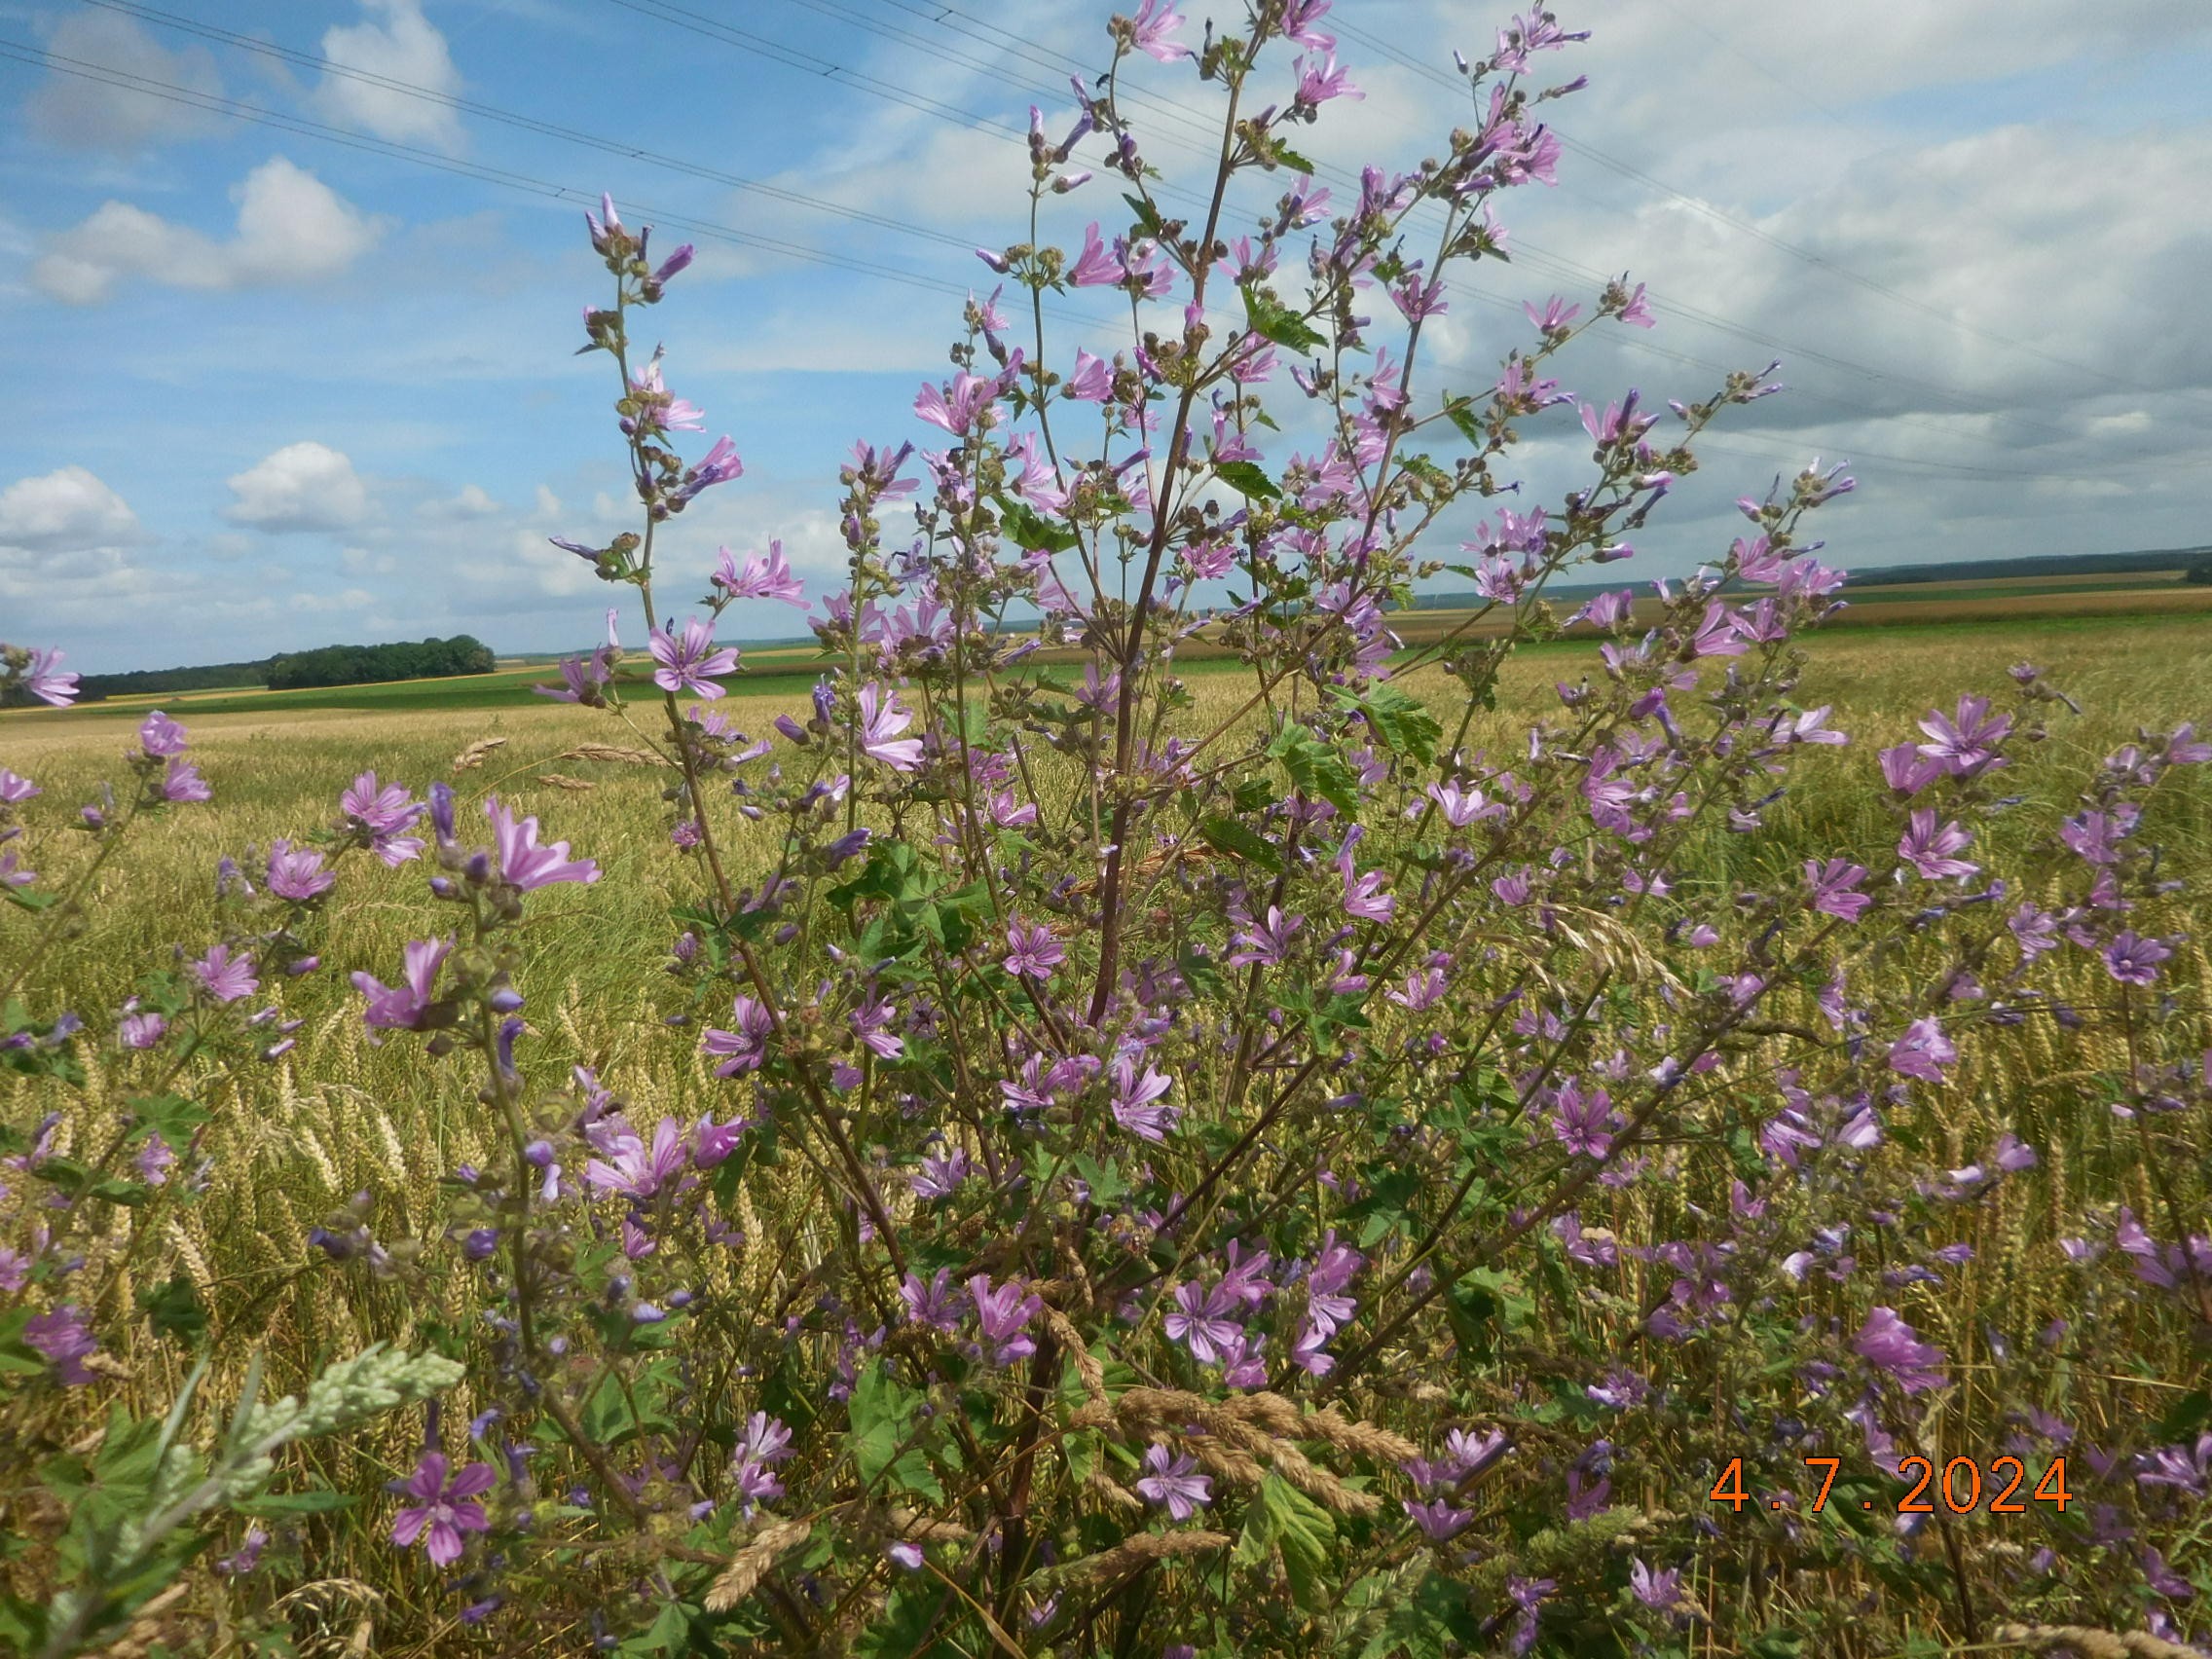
x,y
1158,1170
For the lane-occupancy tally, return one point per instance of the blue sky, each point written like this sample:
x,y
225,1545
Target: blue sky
x,y
273,383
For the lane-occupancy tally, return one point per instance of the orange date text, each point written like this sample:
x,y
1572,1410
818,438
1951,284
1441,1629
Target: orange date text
x,y
1962,1485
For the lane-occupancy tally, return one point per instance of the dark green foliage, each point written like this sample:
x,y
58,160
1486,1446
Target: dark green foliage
x,y
360,665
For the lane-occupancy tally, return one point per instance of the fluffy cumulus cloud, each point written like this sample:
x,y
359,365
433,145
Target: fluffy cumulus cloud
x,y
473,503
78,112
396,42
301,487
70,507
63,535
291,229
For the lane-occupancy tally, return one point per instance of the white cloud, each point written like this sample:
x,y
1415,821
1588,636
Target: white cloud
x,y
473,503
65,537
292,228
346,599
304,486
76,113
398,43
64,510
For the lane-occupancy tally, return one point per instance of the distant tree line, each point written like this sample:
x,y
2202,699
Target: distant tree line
x,y
332,665
151,682
367,665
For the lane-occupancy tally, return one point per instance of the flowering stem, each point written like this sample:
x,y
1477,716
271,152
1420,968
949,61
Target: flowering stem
x,y
1132,644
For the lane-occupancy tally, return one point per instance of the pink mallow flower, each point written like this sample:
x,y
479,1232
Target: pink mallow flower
x,y
1136,1100
2133,959
1889,1343
443,1509
182,783
223,976
1929,849
47,680
765,575
63,1339
1832,883
1923,1051
402,1007
882,719
1032,952
634,1169
691,661
160,736
380,813
741,1050
1149,32
1172,1480
523,863
297,873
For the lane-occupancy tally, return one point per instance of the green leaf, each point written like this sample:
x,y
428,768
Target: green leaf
x,y
1316,769
1147,216
78,1182
1252,793
2186,1416
22,1624
15,1355
1271,319
1030,529
1427,1624
1105,1178
1301,1528
174,1309
315,1501
1462,415
1286,157
1247,480
171,1116
669,1633
882,1413
1400,722
902,1629
1203,974
1239,840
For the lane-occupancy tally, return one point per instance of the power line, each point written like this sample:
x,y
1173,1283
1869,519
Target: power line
x,y
514,119
171,91
512,180
1545,260
1750,227
1734,439
1032,50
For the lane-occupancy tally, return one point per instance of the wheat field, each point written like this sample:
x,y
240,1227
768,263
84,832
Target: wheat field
x,y
293,1140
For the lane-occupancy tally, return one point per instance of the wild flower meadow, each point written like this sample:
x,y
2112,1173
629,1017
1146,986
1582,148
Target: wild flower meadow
x,y
1029,1152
